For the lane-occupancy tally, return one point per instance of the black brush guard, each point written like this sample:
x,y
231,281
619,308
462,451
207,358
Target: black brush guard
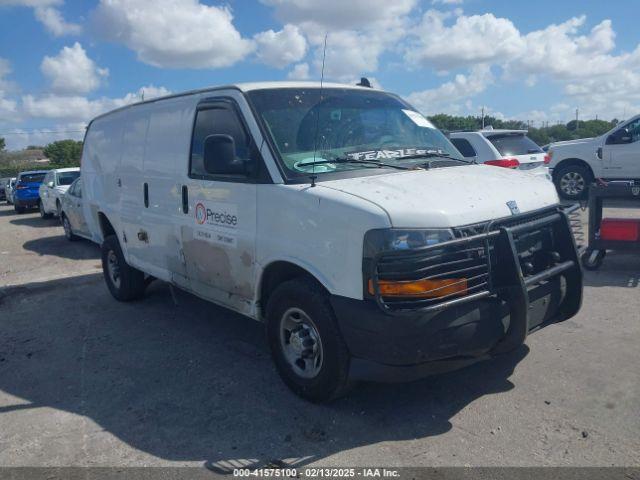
x,y
507,259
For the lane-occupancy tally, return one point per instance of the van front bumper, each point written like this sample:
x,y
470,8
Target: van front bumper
x,y
403,348
388,343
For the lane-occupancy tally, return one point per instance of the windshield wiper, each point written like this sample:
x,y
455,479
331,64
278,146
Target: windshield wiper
x,y
373,163
433,156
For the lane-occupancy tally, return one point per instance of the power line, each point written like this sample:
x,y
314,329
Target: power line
x,y
42,132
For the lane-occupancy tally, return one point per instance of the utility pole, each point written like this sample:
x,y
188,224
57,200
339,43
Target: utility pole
x,y
142,94
483,117
576,120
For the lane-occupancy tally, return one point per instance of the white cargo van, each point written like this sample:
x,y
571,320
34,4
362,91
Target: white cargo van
x,y
340,217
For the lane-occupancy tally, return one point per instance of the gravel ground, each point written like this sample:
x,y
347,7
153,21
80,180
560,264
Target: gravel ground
x,y
173,380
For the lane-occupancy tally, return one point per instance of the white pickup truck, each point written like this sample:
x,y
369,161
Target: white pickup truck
x,y
340,217
614,155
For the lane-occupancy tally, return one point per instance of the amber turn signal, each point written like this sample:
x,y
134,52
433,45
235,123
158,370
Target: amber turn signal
x,y
421,288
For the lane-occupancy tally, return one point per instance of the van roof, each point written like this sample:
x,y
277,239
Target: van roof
x,y
68,169
31,172
243,87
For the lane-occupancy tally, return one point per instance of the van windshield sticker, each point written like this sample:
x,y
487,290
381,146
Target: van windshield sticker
x,y
393,153
418,119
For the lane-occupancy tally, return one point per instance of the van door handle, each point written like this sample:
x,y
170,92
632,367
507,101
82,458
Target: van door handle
x,y
146,195
185,199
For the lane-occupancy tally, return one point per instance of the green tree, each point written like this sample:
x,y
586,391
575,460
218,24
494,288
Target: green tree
x,y
2,144
64,153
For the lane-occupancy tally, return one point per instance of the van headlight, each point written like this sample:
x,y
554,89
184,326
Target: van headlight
x,y
391,239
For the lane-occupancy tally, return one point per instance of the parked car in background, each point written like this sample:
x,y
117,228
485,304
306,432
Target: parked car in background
x,y
3,186
9,189
503,148
26,193
71,213
55,184
612,156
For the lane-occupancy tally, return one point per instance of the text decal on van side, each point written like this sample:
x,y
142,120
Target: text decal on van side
x,y
221,215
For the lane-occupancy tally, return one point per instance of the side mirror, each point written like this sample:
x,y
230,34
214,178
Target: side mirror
x,y
220,156
599,153
50,184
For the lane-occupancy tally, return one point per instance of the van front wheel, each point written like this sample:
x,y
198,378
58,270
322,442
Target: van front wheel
x,y
306,345
125,282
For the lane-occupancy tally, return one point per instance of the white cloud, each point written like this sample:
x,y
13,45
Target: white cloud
x,y
20,138
8,107
299,72
340,14
173,33
447,97
279,49
447,2
584,66
359,31
79,108
72,71
470,40
48,14
52,19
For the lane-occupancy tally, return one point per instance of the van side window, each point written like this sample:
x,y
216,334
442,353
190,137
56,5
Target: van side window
x,y
217,120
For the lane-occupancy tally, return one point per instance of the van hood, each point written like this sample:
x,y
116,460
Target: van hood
x,y
449,197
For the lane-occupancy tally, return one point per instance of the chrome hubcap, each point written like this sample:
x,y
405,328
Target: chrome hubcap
x,y
572,183
113,268
301,343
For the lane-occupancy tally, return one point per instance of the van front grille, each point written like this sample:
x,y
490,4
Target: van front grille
x,y
465,267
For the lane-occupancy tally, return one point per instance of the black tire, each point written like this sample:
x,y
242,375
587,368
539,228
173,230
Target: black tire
x,y
43,214
68,231
19,209
592,264
58,209
124,282
572,181
306,296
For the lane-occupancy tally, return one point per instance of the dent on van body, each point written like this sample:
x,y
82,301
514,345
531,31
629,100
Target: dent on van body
x,y
215,275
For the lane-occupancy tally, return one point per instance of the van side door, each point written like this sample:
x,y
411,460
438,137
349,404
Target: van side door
x,y
622,151
219,210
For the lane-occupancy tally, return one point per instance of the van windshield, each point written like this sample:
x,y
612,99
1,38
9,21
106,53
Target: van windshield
x,y
346,124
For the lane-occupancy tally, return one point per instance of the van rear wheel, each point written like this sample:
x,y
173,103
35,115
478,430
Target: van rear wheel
x,y
124,282
306,344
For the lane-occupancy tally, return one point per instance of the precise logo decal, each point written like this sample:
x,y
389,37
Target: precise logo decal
x,y
222,215
201,213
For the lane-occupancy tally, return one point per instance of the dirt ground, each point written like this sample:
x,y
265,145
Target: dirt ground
x,y
173,380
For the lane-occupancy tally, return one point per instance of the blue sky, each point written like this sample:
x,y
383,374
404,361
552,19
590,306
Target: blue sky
x,y
64,61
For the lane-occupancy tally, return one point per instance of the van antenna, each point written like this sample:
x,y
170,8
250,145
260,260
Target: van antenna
x,y
315,139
